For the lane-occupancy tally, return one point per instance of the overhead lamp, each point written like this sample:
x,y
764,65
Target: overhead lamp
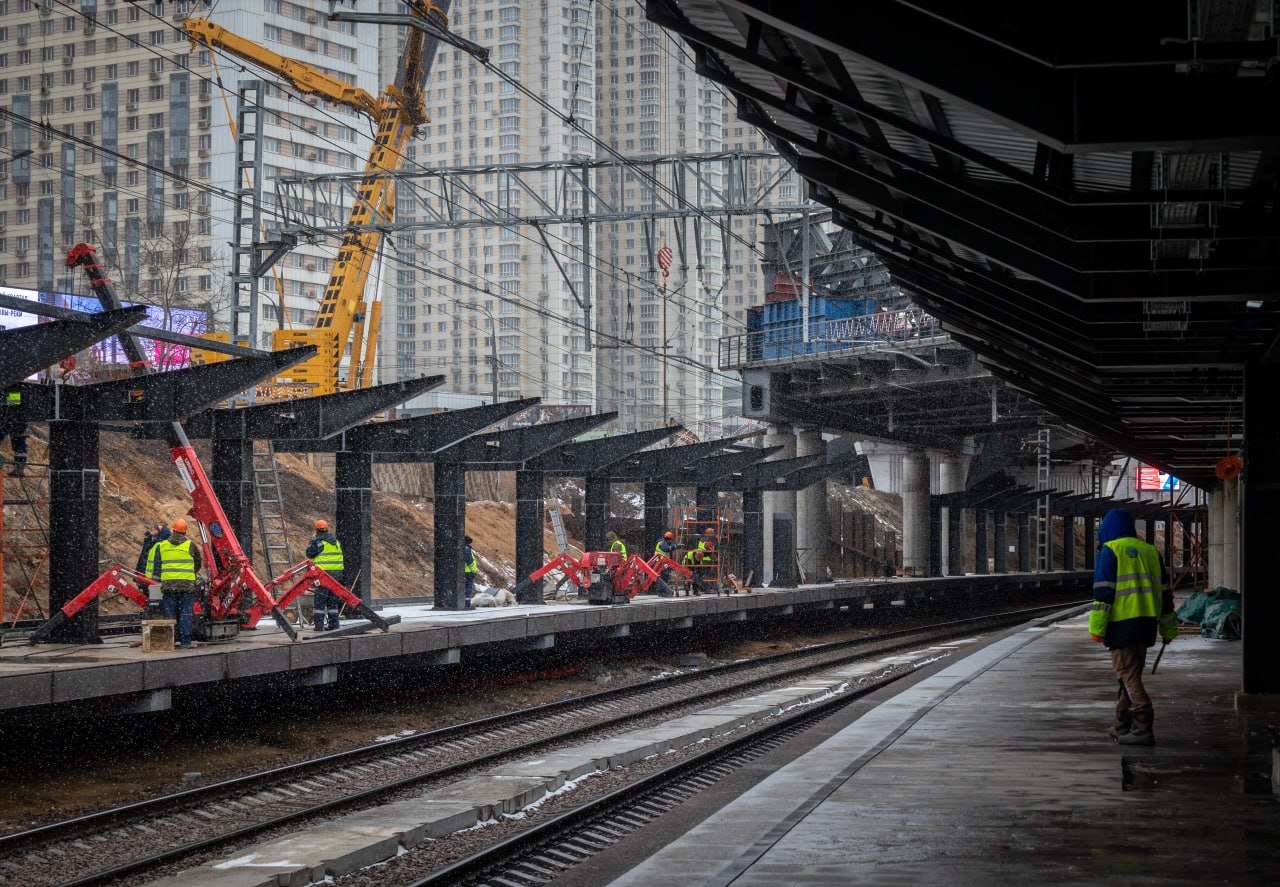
x,y
1253,303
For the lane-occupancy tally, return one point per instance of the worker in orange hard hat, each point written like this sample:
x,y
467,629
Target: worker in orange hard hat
x,y
326,552
666,546
176,561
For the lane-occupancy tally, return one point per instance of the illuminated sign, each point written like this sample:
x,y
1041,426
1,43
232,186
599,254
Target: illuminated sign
x,y
1154,479
161,355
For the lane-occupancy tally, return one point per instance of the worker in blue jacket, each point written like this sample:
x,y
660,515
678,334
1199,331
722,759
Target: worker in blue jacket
x,y
1131,601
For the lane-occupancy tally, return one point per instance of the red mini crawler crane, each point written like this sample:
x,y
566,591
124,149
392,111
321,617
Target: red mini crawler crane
x,y
608,578
235,597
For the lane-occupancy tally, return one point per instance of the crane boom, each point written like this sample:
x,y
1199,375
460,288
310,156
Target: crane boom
x,y
344,309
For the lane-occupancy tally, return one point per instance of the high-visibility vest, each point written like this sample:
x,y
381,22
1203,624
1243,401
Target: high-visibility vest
x,y
13,399
176,561
1139,592
330,557
659,549
619,547
469,565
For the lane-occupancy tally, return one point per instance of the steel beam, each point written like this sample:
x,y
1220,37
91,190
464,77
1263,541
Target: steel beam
x,y
510,449
27,350
710,469
580,458
411,440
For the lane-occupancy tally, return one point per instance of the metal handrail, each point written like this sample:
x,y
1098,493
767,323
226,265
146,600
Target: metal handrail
x,y
785,342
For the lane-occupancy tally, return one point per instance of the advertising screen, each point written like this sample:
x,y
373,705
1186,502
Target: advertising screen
x,y
1154,479
161,354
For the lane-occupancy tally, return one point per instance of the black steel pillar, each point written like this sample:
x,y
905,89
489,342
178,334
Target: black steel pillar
x,y
1068,542
1001,547
935,536
1260,606
753,537
597,513
1024,542
529,554
655,515
1188,525
232,479
784,550
73,525
353,513
450,513
980,546
1090,540
955,541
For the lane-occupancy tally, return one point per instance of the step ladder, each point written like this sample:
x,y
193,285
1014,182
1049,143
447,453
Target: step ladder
x,y
557,525
273,530
24,542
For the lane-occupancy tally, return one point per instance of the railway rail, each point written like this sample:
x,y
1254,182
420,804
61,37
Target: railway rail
x,y
142,836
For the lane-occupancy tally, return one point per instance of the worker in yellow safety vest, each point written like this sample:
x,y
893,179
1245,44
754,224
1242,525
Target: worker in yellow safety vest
x,y
176,562
616,544
470,567
13,425
325,551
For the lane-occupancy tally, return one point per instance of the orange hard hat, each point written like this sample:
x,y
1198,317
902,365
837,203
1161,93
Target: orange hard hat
x,y
709,531
180,526
322,525
668,535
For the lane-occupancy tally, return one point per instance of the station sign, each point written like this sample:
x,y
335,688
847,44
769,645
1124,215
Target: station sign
x,y
1150,479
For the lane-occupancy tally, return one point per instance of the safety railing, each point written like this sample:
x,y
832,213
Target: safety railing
x,y
787,341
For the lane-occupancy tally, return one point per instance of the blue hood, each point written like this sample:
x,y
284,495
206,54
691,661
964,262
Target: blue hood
x,y
1117,524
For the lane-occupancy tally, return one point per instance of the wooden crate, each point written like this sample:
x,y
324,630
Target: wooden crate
x,y
158,635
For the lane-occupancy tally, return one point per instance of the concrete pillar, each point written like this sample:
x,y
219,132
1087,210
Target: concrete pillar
x,y
1231,533
1214,534
915,513
951,480
812,531
777,502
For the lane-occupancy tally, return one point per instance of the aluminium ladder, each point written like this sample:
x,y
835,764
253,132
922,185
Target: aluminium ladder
x,y
273,530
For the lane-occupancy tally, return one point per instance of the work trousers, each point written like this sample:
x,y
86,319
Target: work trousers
x,y
1132,702
327,607
471,587
179,604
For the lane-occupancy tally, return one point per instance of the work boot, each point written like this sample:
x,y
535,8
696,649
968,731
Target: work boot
x,y
1141,732
1120,728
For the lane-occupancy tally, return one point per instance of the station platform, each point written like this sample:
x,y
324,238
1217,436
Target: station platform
x,y
998,769
120,677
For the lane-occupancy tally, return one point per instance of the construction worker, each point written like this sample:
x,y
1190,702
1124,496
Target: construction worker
x,y
155,601
616,544
1131,600
176,562
693,560
469,568
325,551
667,547
13,424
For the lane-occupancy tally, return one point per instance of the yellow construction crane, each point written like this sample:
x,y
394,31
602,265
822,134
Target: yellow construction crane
x,y
346,315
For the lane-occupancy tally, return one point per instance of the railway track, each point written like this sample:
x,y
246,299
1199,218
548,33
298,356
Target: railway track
x,y
137,837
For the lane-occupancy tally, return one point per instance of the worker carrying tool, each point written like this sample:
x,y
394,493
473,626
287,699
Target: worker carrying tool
x,y
325,551
176,563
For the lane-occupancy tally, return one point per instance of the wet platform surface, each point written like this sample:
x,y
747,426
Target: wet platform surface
x,y
998,770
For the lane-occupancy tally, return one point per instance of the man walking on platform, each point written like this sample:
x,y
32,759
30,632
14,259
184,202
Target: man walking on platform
x,y
325,551
469,568
176,562
1131,599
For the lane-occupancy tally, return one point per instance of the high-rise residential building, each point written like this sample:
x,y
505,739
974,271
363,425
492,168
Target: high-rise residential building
x,y
117,132
575,80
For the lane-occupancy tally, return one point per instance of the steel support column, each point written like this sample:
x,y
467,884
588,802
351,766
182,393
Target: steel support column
x,y
1260,606
450,514
596,508
752,537
529,522
1068,542
980,545
231,476
936,531
1090,540
353,512
784,551
1001,547
955,541
73,525
707,499
1024,542
655,515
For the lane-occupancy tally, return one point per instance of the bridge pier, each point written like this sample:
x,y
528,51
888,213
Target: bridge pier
x,y
812,531
915,513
